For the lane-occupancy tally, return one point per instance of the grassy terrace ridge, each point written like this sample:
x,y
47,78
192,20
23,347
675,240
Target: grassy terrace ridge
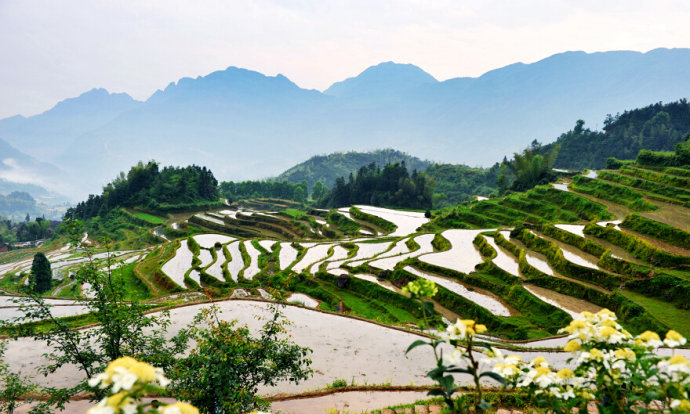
x,y
615,193
540,205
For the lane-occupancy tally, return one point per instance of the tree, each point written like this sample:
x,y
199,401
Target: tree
x,y
41,275
300,195
224,370
122,327
318,190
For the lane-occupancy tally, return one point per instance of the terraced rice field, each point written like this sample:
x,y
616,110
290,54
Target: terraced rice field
x,y
253,268
236,264
493,305
462,256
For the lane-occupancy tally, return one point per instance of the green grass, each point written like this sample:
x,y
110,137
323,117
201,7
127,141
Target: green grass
x,y
149,217
294,213
134,288
664,311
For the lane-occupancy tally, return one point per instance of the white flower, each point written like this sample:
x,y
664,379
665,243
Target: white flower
x,y
123,379
170,409
101,408
129,409
99,380
455,357
674,339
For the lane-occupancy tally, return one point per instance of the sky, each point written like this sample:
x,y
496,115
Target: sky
x,y
51,50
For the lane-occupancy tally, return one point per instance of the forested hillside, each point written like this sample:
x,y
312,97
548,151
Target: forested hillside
x,y
171,188
657,127
457,183
327,168
392,186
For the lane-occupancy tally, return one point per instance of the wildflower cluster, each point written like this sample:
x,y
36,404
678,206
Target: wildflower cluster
x,y
461,337
421,288
128,381
610,366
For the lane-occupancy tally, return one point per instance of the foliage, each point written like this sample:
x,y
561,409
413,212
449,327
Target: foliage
x,y
11,232
657,127
227,365
127,382
461,336
619,372
12,385
392,186
122,327
283,190
148,187
41,275
458,183
327,168
531,167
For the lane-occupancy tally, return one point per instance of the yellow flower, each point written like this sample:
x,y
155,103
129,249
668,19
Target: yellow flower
x,y
565,373
609,322
180,408
572,346
625,353
606,314
118,400
607,331
538,361
674,339
587,315
421,287
678,359
480,329
649,338
682,405
596,354
542,371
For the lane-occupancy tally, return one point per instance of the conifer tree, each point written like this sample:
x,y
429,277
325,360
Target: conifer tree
x,y
41,275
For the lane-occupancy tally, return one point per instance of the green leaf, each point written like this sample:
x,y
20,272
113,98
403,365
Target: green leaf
x,y
494,376
415,344
436,392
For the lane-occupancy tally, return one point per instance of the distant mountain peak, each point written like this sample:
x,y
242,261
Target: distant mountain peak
x,y
94,100
384,78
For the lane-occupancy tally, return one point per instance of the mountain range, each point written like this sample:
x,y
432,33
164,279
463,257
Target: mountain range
x,y
245,125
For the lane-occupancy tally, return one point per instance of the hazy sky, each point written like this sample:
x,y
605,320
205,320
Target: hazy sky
x,y
51,49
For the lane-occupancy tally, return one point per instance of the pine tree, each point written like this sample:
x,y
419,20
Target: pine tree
x,y
41,274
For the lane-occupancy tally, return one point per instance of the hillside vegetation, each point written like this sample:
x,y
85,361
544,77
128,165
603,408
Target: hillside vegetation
x,y
328,168
657,127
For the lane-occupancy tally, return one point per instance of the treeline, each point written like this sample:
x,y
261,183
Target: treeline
x,y
392,186
657,127
284,190
458,183
532,167
26,230
150,188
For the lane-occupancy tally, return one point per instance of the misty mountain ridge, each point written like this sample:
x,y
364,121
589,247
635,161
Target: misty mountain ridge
x,y
245,125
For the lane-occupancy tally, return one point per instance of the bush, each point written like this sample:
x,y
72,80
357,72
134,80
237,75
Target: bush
x,y
227,365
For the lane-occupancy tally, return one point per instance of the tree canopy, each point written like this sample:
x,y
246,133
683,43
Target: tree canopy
x,y
41,275
147,186
392,186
